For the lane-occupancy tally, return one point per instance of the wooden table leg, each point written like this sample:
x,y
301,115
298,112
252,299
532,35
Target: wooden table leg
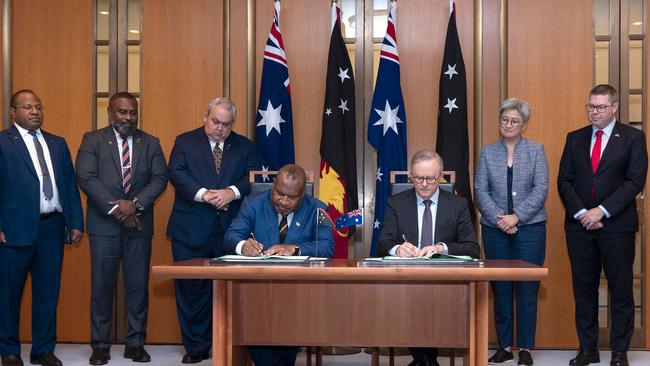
x,y
478,343
375,357
221,349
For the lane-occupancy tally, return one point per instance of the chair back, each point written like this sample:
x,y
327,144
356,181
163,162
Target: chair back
x,y
255,177
396,186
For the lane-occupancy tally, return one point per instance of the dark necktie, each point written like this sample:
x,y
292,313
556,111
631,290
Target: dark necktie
x,y
216,154
426,237
126,165
48,190
283,228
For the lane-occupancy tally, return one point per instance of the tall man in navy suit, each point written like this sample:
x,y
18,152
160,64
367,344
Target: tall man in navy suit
x,y
40,209
283,222
209,168
122,170
603,168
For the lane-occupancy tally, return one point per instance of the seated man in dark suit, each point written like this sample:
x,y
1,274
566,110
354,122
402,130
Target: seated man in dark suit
x,y
442,225
280,221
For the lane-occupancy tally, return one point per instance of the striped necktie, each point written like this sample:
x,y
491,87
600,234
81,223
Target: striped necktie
x,y
126,164
216,155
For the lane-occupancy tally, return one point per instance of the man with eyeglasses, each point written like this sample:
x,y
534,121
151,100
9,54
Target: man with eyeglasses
x,y
425,220
40,209
602,170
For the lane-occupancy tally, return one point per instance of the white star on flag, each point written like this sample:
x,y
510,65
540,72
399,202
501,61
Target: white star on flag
x,y
389,118
376,224
343,74
271,118
379,174
344,106
328,111
451,104
265,177
451,71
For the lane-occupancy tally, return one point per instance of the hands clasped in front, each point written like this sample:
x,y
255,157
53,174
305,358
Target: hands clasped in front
x,y
126,214
253,248
219,198
591,220
508,223
407,249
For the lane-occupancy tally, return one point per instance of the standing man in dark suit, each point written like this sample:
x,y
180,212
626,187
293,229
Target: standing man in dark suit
x,y
425,220
122,170
209,168
602,170
40,209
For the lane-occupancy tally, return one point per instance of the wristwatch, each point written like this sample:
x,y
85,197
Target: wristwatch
x,y
296,249
138,204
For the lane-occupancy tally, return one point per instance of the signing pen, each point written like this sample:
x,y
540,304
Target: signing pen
x,y
260,250
404,237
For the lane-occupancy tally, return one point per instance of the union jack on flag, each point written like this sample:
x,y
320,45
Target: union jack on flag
x,y
274,133
352,218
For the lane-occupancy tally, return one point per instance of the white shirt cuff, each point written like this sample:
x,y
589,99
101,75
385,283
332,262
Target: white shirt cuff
x,y
605,211
198,197
236,191
393,251
239,246
445,249
580,213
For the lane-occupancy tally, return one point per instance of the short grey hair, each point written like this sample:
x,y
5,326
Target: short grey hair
x,y
426,155
605,89
517,104
226,103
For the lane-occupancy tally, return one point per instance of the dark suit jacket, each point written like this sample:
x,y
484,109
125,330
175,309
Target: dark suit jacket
x,y
191,167
99,170
20,188
619,178
453,224
258,216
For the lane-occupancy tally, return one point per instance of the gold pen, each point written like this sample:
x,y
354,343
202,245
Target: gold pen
x,y
260,250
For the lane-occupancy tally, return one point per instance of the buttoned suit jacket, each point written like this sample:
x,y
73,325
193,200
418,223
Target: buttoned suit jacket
x,y
20,188
620,176
191,167
453,224
99,171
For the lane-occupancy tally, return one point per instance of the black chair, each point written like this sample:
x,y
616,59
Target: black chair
x,y
447,181
255,177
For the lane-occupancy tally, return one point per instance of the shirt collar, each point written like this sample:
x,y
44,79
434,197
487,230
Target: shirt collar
x,y
434,198
607,130
24,132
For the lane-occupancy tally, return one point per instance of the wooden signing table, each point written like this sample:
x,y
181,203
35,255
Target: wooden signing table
x,y
350,303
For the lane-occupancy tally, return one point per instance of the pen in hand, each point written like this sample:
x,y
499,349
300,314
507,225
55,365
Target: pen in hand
x,y
404,237
260,251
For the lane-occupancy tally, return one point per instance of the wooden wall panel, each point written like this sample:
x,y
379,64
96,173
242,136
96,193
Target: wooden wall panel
x,y
239,62
52,54
305,29
491,71
553,71
646,209
182,71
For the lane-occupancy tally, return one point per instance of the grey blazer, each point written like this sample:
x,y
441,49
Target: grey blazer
x,y
529,182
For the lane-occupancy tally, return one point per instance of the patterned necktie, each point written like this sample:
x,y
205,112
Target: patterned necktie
x,y
216,155
283,228
126,164
48,190
595,152
426,237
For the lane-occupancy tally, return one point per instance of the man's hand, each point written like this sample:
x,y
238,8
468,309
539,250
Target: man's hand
x,y
280,249
2,237
592,218
124,209
430,249
219,198
132,222
507,222
406,249
75,235
252,248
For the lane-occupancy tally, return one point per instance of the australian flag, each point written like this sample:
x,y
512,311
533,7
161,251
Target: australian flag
x,y
387,123
352,218
274,133
452,141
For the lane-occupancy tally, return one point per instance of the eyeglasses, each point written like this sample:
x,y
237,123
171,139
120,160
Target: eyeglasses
x,y
420,180
38,107
515,122
600,108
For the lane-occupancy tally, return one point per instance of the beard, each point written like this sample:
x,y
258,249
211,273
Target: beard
x,y
123,128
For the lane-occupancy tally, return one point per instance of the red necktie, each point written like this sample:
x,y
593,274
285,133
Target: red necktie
x,y
595,152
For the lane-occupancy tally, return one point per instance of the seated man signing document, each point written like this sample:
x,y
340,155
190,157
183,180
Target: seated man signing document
x,y
280,221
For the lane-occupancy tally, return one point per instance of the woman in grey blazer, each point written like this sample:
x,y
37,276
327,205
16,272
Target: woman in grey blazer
x,y
511,185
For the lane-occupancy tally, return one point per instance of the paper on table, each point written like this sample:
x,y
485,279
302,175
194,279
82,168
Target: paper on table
x,y
263,257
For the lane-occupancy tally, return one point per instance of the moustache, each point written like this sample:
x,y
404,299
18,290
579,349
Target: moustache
x,y
126,128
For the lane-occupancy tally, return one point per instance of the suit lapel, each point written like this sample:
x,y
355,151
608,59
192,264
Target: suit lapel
x,y
271,220
412,229
440,216
19,143
298,222
584,144
206,152
227,152
54,153
612,145
138,146
110,143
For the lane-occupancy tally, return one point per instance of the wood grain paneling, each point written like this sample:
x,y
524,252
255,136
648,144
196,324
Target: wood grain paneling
x,y
182,45
646,208
553,71
52,54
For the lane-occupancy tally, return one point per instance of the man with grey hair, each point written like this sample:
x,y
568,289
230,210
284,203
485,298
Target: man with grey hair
x,y
209,169
425,220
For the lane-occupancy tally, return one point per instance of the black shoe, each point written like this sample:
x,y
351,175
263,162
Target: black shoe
x,y
11,360
45,359
585,357
426,362
619,359
100,356
525,358
137,354
501,356
195,357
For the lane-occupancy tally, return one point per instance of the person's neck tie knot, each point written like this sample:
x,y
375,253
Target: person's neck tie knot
x,y
33,133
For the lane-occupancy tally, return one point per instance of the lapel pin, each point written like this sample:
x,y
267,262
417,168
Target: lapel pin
x,y
617,135
297,223
110,142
